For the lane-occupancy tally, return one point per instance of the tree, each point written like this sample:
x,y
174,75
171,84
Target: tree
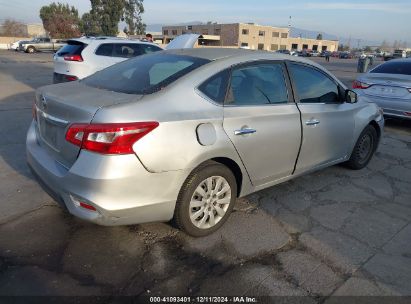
x,y
103,17
320,36
343,48
13,28
367,49
132,17
60,20
90,25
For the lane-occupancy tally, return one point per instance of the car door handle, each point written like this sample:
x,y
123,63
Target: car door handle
x,y
312,122
244,131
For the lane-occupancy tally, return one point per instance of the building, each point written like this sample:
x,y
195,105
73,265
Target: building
x,y
248,35
36,30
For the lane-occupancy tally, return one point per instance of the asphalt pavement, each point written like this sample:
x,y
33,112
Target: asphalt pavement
x,y
331,233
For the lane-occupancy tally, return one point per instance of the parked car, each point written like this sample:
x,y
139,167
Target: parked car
x,y
389,86
345,55
324,53
315,54
15,45
400,54
182,133
287,52
305,53
41,44
84,56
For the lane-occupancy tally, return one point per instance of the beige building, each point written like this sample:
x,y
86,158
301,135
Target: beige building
x,y
248,35
36,30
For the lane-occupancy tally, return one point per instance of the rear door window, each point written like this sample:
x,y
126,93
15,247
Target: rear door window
x,y
259,84
126,50
105,49
129,50
147,49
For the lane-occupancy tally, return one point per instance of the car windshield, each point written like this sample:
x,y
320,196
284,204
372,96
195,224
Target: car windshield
x,y
144,74
394,67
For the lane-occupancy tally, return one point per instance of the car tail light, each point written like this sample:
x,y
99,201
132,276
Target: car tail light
x,y
73,58
360,85
70,78
407,113
87,206
115,138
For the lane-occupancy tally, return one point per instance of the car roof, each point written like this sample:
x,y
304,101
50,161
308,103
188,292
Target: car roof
x,y
404,60
89,40
214,54
243,55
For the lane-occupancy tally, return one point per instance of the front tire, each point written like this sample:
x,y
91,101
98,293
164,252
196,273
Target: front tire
x,y
364,149
206,199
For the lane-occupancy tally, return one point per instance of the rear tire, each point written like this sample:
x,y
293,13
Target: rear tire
x,y
364,149
206,199
31,50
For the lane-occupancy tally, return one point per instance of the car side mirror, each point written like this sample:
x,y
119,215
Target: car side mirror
x,y
351,96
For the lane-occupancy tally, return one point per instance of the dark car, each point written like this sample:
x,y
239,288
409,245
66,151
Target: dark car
x,y
345,55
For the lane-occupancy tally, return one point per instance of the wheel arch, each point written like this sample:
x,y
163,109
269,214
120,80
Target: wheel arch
x,y
241,177
377,128
235,169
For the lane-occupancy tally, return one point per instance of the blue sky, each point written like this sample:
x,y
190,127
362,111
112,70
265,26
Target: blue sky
x,y
367,19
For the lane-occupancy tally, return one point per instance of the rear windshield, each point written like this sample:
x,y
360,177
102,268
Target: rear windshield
x,y
144,74
71,48
394,67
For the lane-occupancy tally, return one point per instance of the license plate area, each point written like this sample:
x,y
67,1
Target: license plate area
x,y
48,132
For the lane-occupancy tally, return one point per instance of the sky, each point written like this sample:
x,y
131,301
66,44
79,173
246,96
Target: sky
x,y
375,20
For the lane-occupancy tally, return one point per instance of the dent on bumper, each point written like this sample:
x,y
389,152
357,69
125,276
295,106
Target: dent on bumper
x,y
119,187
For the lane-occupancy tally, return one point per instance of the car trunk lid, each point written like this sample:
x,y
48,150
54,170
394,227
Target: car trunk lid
x,y
61,105
387,85
185,41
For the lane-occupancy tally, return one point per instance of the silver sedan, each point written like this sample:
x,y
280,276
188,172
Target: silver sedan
x,y
389,86
180,134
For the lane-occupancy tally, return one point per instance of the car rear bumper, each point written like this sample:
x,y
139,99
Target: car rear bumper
x,y
392,107
121,190
59,78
